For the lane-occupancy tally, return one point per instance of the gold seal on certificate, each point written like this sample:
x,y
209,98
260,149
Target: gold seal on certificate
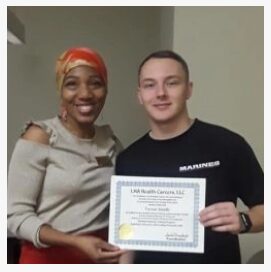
x,y
126,231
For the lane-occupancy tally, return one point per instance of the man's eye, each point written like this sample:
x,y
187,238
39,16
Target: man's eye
x,y
172,83
148,85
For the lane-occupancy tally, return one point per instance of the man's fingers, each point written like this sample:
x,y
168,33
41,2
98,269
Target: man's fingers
x,y
219,221
216,214
226,206
218,210
225,228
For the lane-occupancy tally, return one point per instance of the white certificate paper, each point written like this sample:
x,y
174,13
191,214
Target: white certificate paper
x,y
157,213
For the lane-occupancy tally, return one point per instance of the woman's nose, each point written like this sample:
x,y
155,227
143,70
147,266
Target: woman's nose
x,y
85,91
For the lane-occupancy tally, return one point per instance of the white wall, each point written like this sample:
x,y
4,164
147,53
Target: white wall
x,y
224,49
166,27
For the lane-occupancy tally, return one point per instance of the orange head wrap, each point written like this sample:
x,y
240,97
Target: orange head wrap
x,y
77,56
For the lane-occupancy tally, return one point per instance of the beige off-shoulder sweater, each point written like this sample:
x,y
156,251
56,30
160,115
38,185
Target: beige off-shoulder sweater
x,y
64,184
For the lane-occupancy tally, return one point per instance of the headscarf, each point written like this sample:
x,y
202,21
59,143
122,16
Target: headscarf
x,y
77,56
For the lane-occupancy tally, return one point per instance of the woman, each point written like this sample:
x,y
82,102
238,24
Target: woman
x,y
58,190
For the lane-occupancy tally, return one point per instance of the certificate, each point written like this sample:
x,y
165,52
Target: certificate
x,y
157,213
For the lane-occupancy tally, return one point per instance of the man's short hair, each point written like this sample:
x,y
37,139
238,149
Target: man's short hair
x,y
165,54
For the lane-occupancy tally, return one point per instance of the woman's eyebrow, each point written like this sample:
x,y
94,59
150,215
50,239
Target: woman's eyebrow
x,y
70,77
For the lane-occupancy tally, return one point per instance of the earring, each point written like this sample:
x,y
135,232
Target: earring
x,y
63,114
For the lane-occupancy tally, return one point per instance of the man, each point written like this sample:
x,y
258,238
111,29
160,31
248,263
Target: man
x,y
178,146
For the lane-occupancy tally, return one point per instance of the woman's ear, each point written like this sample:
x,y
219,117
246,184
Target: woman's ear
x,y
63,112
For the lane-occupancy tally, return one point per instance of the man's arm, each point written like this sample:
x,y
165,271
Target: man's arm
x,y
256,215
224,217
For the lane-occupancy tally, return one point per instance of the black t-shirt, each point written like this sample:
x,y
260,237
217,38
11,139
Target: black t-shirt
x,y
204,151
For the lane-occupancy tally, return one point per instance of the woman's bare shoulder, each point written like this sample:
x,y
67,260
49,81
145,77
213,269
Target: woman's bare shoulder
x,y
36,134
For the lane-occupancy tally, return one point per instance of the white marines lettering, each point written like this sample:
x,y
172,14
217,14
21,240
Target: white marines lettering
x,y
198,166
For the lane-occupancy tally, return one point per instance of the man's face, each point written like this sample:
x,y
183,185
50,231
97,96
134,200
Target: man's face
x,y
163,90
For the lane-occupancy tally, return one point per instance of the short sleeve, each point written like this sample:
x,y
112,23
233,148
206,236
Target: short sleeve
x,y
45,127
249,175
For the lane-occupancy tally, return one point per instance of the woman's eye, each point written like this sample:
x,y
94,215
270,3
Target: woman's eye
x,y
70,84
96,83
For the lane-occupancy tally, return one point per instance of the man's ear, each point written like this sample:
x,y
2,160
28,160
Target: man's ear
x,y
189,90
139,96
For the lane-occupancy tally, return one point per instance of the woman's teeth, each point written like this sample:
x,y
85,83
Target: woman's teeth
x,y
84,108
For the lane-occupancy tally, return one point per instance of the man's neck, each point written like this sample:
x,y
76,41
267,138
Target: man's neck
x,y
170,130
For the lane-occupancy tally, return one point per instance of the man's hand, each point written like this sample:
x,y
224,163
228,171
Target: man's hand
x,y
221,217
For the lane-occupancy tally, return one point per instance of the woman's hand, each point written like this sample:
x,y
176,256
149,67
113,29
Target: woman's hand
x,y
97,249
127,257
221,217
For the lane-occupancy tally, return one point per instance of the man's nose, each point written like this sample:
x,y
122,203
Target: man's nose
x,y
161,90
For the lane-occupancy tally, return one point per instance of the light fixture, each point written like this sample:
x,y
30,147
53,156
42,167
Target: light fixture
x,y
15,31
